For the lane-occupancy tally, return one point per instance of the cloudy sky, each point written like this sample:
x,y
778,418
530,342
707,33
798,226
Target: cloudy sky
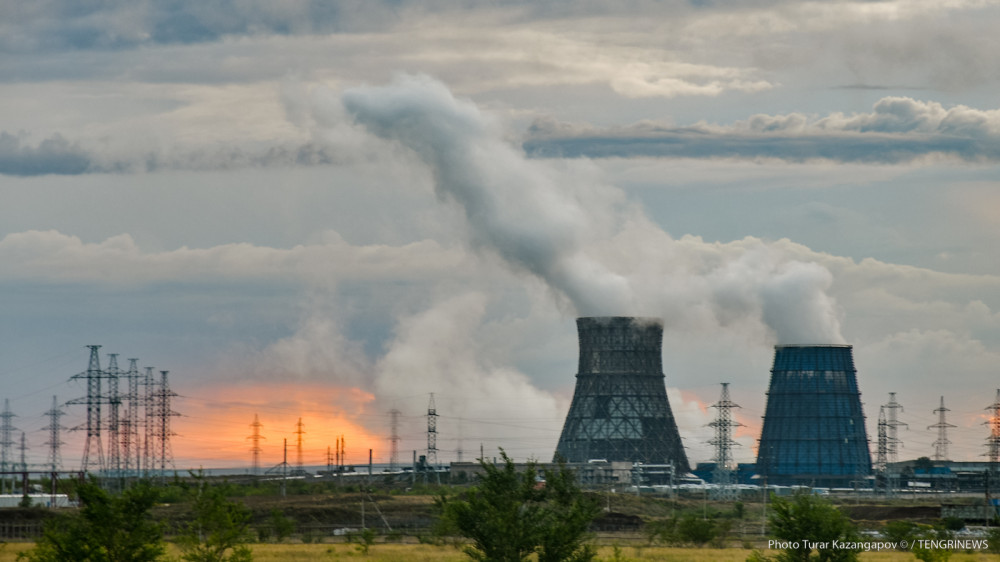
x,y
329,210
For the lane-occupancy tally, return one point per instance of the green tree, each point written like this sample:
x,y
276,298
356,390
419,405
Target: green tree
x,y
809,520
219,528
106,529
510,515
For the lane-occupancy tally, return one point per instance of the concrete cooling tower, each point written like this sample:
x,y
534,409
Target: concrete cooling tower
x,y
620,410
814,429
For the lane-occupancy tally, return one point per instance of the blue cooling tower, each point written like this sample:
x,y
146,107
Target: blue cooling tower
x,y
814,429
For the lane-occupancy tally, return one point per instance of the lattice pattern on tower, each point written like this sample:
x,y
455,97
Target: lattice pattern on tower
x,y
814,427
113,400
162,415
255,450
942,442
6,444
54,428
725,466
620,410
993,441
93,450
394,440
432,450
892,425
131,442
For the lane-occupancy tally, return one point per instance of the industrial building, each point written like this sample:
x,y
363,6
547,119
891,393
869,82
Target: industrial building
x,y
814,429
620,410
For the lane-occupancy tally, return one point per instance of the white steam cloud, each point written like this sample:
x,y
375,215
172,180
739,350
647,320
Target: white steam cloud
x,y
582,238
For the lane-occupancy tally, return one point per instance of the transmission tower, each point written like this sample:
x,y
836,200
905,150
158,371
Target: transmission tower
x,y
54,427
255,438
432,450
163,413
131,444
6,443
299,432
881,460
93,451
394,440
725,468
941,444
993,441
892,428
149,423
114,404
23,466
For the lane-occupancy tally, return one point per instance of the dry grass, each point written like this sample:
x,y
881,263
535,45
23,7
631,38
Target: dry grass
x,y
429,553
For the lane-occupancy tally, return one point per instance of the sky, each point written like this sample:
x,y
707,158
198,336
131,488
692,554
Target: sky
x,y
330,210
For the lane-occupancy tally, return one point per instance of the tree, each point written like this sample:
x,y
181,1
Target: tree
x,y
511,515
219,529
106,529
811,522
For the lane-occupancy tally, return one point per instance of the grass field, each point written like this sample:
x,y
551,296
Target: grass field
x,y
429,553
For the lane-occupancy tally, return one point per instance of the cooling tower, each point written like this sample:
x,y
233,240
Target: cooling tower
x,y
620,410
814,429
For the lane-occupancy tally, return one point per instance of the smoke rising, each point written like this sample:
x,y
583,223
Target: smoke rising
x,y
597,253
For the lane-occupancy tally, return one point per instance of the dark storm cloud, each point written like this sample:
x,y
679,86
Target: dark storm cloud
x,y
898,130
54,155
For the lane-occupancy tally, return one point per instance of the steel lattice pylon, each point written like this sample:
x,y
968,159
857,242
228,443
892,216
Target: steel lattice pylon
x,y
620,410
93,450
394,439
113,400
432,450
130,441
255,438
54,427
725,467
942,442
993,441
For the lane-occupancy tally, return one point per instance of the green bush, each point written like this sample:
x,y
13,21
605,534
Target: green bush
x,y
106,529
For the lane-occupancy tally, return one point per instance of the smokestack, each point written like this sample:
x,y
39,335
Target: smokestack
x,y
620,410
814,428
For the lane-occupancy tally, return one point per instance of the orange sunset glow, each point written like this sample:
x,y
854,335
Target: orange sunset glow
x,y
214,430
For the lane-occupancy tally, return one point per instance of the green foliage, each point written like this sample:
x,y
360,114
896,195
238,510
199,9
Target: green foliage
x,y
219,529
282,525
932,554
953,523
25,501
364,540
993,536
739,510
805,519
898,531
106,529
509,516
696,531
